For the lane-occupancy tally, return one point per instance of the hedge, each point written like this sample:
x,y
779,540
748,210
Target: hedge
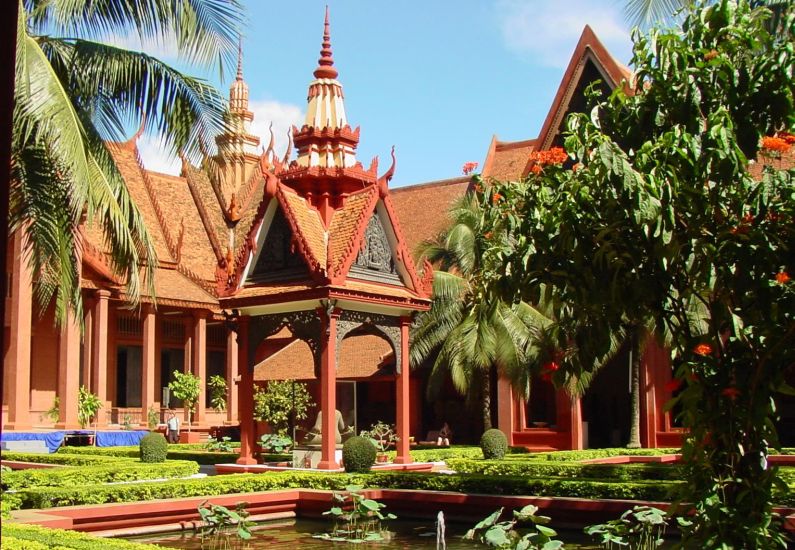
x,y
32,537
45,497
72,476
65,459
543,468
175,452
591,454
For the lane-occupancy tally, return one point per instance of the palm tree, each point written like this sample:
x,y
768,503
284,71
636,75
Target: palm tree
x,y
74,93
469,330
648,12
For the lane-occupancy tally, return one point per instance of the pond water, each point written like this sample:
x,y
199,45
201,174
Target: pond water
x,y
405,534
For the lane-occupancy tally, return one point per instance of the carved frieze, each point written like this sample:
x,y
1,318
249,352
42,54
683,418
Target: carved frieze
x,y
375,261
277,258
304,325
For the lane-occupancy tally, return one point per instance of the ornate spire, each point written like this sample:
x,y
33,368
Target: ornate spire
x,y
325,68
240,57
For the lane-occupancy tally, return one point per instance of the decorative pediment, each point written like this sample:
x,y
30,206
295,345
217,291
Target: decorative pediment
x,y
375,261
277,258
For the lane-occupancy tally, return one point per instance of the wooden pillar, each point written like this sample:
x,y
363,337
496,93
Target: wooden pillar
x,y
200,362
505,406
85,360
231,376
246,389
16,370
69,372
403,397
99,348
148,381
328,389
188,353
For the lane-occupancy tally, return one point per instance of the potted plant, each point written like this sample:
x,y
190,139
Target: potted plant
x,y
383,436
88,404
187,387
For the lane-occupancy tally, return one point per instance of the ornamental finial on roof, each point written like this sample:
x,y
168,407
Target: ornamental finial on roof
x,y
240,57
325,67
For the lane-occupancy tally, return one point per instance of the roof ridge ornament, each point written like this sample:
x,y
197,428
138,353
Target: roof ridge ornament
x,y
325,68
239,57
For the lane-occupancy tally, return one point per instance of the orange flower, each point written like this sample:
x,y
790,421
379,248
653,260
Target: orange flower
x,y
488,235
731,392
536,169
748,218
496,197
710,55
786,136
782,277
703,349
775,144
556,155
576,167
469,167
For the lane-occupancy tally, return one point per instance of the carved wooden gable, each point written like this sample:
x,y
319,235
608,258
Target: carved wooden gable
x,y
278,259
375,261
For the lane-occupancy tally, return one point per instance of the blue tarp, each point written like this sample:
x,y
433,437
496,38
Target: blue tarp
x,y
120,438
53,440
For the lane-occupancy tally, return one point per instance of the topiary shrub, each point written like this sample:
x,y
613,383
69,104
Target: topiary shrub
x,y
153,447
358,454
494,444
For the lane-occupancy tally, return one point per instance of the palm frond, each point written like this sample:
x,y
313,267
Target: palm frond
x,y
205,31
645,13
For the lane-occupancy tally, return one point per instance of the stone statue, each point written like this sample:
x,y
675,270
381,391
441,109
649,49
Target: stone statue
x,y
315,435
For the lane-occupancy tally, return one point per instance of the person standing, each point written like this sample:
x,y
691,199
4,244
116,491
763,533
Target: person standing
x,y
172,427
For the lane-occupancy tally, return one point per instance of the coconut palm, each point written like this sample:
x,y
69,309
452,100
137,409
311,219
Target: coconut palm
x,y
74,93
469,331
648,12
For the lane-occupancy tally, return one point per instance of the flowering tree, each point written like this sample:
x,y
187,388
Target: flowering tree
x,y
668,218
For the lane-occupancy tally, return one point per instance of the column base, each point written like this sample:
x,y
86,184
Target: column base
x,y
403,460
327,465
246,461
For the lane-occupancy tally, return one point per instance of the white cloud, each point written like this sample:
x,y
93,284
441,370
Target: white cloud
x,y
547,32
283,115
156,157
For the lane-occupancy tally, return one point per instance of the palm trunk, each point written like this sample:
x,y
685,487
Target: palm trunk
x,y
634,429
486,395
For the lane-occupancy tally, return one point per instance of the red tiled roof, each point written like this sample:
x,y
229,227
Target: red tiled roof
x,y
506,160
308,230
423,209
347,224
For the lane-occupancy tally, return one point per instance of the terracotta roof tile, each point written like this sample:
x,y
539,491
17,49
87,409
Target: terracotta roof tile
x,y
193,244
346,225
293,361
208,207
281,287
170,284
127,160
364,355
422,209
308,225
374,288
509,160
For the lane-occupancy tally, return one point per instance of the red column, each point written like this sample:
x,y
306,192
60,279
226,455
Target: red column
x,y
99,349
188,353
69,372
200,361
246,402
328,390
505,408
576,424
148,382
403,397
648,401
16,369
88,340
231,376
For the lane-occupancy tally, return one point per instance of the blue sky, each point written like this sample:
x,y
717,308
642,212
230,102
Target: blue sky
x,y
434,78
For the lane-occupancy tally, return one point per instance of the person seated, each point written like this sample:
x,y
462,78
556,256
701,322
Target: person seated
x,y
443,440
315,435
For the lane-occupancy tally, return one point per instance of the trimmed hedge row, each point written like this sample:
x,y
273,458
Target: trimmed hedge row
x,y
64,459
543,468
174,453
32,537
73,476
45,497
591,454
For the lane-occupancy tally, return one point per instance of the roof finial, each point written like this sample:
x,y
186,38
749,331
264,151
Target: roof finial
x,y
240,57
325,67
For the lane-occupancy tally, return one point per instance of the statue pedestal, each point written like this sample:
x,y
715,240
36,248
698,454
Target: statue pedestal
x,y
307,456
